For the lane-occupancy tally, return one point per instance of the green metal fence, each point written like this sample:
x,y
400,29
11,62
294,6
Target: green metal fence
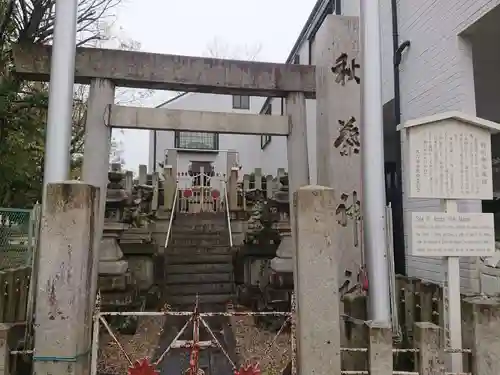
x,y
17,237
18,243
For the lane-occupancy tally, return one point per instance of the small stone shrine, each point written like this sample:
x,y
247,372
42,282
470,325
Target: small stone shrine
x,y
281,200
127,250
114,277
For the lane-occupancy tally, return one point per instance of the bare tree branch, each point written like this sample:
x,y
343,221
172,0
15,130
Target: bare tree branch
x,y
6,19
33,20
219,49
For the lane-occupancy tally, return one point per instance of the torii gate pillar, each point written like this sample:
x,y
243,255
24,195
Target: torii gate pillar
x,y
96,157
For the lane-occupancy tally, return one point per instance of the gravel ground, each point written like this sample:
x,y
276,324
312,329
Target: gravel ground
x,y
142,344
256,345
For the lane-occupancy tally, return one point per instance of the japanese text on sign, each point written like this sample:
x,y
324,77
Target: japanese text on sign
x,y
461,234
450,161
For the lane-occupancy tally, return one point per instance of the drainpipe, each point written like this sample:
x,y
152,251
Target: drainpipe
x,y
400,264
154,150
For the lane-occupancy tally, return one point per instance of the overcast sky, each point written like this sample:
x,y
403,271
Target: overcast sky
x,y
189,27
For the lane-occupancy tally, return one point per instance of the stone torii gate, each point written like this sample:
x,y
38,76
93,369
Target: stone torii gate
x,y
317,271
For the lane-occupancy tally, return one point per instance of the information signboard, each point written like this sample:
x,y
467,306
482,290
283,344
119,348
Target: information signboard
x,y
450,160
452,234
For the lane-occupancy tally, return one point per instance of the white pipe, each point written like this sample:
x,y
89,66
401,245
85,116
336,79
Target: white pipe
x,y
62,77
372,141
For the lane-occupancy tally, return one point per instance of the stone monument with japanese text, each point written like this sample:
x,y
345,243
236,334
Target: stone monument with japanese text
x,y
338,101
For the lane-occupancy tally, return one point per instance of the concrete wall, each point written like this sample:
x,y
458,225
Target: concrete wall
x,y
437,76
247,146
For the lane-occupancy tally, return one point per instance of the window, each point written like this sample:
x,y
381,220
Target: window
x,y
241,102
266,138
197,141
296,59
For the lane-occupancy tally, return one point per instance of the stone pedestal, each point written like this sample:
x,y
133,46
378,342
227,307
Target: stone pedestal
x,y
63,316
283,262
317,282
111,260
486,333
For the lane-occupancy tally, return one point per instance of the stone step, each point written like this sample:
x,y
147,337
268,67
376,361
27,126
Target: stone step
x,y
201,217
196,234
138,248
199,228
188,289
195,250
161,214
202,299
199,241
198,278
199,259
203,307
203,225
198,268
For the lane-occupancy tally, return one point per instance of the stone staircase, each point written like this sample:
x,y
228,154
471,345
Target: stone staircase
x,y
198,261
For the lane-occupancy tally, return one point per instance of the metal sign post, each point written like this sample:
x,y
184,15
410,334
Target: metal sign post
x,y
448,157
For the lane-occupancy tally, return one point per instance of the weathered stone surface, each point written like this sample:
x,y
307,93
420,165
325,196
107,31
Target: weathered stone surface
x,y
380,361
113,282
199,278
190,259
142,269
118,267
128,117
199,268
171,72
338,121
117,299
115,226
282,264
207,288
203,299
318,326
427,340
199,261
129,248
109,249
5,348
486,333
63,316
199,240
195,250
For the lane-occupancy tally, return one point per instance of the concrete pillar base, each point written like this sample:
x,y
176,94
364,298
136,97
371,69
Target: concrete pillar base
x,y
63,316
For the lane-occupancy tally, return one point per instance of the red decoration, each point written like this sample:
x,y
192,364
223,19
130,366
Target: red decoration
x,y
215,194
248,369
142,367
194,360
363,276
188,193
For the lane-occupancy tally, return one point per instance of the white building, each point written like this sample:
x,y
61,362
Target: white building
x,y
447,61
207,148
449,65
